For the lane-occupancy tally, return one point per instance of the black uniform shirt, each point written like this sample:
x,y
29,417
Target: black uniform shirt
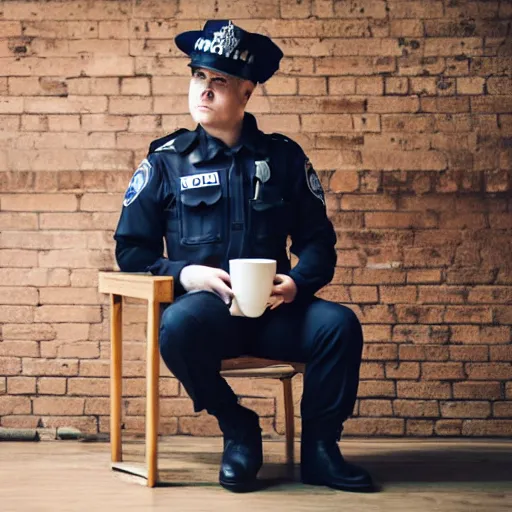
x,y
198,195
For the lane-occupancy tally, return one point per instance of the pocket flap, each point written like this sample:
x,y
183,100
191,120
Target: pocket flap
x,y
203,195
261,206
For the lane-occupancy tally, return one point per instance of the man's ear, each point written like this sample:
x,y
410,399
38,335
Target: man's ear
x,y
248,93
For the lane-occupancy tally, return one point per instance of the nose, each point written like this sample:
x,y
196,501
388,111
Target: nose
x,y
207,91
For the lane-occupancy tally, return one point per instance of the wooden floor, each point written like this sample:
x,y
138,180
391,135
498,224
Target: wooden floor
x,y
414,476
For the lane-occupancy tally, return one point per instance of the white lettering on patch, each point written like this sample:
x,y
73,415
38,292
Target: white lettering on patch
x,y
207,179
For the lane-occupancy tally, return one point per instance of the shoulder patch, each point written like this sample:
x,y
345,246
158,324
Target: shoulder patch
x,y
139,180
313,182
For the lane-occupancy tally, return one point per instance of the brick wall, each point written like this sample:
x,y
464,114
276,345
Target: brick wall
x,y
405,110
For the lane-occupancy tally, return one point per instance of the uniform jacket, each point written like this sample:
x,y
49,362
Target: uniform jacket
x,y
198,195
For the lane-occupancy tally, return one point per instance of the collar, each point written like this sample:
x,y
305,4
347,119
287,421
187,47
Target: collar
x,y
251,139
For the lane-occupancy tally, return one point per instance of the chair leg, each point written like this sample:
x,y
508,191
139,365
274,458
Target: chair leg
x,y
289,420
116,361
152,375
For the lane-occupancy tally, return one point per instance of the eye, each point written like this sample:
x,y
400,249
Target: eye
x,y
198,74
221,82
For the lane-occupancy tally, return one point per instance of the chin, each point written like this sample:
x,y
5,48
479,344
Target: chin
x,y
203,116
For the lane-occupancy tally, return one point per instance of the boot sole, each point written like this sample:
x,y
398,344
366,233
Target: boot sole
x,y
239,487
348,488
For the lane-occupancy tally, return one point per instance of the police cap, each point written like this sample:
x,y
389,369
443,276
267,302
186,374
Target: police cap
x,y
227,48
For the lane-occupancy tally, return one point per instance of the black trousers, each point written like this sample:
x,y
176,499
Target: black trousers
x,y
197,332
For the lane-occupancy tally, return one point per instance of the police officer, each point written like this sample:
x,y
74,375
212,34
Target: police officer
x,y
226,190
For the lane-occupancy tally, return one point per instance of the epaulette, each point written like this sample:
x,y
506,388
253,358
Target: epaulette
x,y
179,141
283,138
279,136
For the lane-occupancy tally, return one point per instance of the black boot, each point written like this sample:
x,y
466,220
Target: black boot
x,y
323,464
243,451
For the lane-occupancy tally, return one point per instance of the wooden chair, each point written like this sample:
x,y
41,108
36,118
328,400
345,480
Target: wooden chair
x,y
157,290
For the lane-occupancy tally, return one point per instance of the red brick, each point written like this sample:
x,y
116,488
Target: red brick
x,y
467,314
62,406
375,408
448,427
466,409
416,408
423,353
489,371
51,386
344,181
95,368
378,276
17,314
21,385
397,294
359,65
376,388
396,85
477,390
66,349
469,353
10,28
312,86
379,351
425,390
19,348
39,202
503,353
442,294
88,387
411,333
374,427
367,202
326,122
498,428
377,314
377,333
502,409
371,371
442,371
51,295
363,294
68,314
402,370
14,405
491,294
423,428
17,295
334,293
97,406
31,331
393,104
50,367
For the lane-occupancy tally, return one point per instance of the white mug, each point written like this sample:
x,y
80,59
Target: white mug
x,y
252,280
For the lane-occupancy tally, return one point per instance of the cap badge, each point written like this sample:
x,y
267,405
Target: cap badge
x,y
224,41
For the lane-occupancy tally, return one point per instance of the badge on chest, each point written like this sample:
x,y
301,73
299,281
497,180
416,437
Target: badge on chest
x,y
207,179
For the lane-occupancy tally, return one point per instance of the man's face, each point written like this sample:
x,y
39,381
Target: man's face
x,y
217,100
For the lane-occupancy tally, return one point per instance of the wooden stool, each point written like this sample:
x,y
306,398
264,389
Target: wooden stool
x,y
157,290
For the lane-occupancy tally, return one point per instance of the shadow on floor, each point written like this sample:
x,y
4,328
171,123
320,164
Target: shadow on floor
x,y
441,465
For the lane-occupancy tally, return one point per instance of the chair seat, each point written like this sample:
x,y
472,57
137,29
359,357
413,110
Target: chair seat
x,y
260,367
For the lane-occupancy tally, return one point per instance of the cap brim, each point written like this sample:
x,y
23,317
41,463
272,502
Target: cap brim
x,y
186,40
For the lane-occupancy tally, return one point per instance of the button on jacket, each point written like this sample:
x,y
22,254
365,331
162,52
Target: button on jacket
x,y
210,204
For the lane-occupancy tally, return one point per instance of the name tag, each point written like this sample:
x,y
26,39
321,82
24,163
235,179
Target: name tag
x,y
207,179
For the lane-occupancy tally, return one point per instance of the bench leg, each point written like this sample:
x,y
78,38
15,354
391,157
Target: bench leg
x,y
152,375
116,361
289,421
